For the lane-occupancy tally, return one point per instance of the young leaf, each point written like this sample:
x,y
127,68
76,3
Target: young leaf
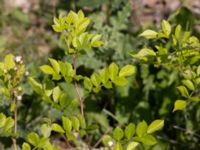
x,y
104,75
155,126
26,146
148,140
95,79
33,138
82,121
67,124
75,123
132,145
118,133
113,71
96,41
55,65
149,34
8,124
127,71
42,142
183,91
166,27
179,105
80,14
177,32
189,84
57,128
82,25
129,131
108,85
87,83
56,94
2,120
145,52
120,81
9,62
195,98
141,128
47,69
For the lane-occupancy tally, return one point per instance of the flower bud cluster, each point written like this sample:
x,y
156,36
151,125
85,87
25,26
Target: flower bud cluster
x,y
18,93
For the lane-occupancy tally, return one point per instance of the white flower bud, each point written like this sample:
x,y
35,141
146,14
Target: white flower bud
x,y
18,59
26,73
5,71
19,97
15,68
110,143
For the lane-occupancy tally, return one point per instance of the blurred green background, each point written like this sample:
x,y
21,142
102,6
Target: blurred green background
x,y
25,29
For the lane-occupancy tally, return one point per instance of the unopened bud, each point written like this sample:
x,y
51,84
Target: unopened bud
x,y
5,71
110,143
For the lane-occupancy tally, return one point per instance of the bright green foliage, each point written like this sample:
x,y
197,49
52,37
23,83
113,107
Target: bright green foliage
x,y
52,90
179,105
184,47
178,50
129,131
133,135
6,125
109,76
132,145
11,76
118,134
155,125
141,128
26,146
38,142
73,28
57,128
149,34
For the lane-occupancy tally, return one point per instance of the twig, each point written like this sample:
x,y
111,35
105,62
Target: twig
x,y
76,86
14,139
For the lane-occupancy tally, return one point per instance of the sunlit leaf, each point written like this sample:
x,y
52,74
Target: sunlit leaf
x,y
179,105
155,126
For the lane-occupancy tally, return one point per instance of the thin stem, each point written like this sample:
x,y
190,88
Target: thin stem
x,y
76,86
14,139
